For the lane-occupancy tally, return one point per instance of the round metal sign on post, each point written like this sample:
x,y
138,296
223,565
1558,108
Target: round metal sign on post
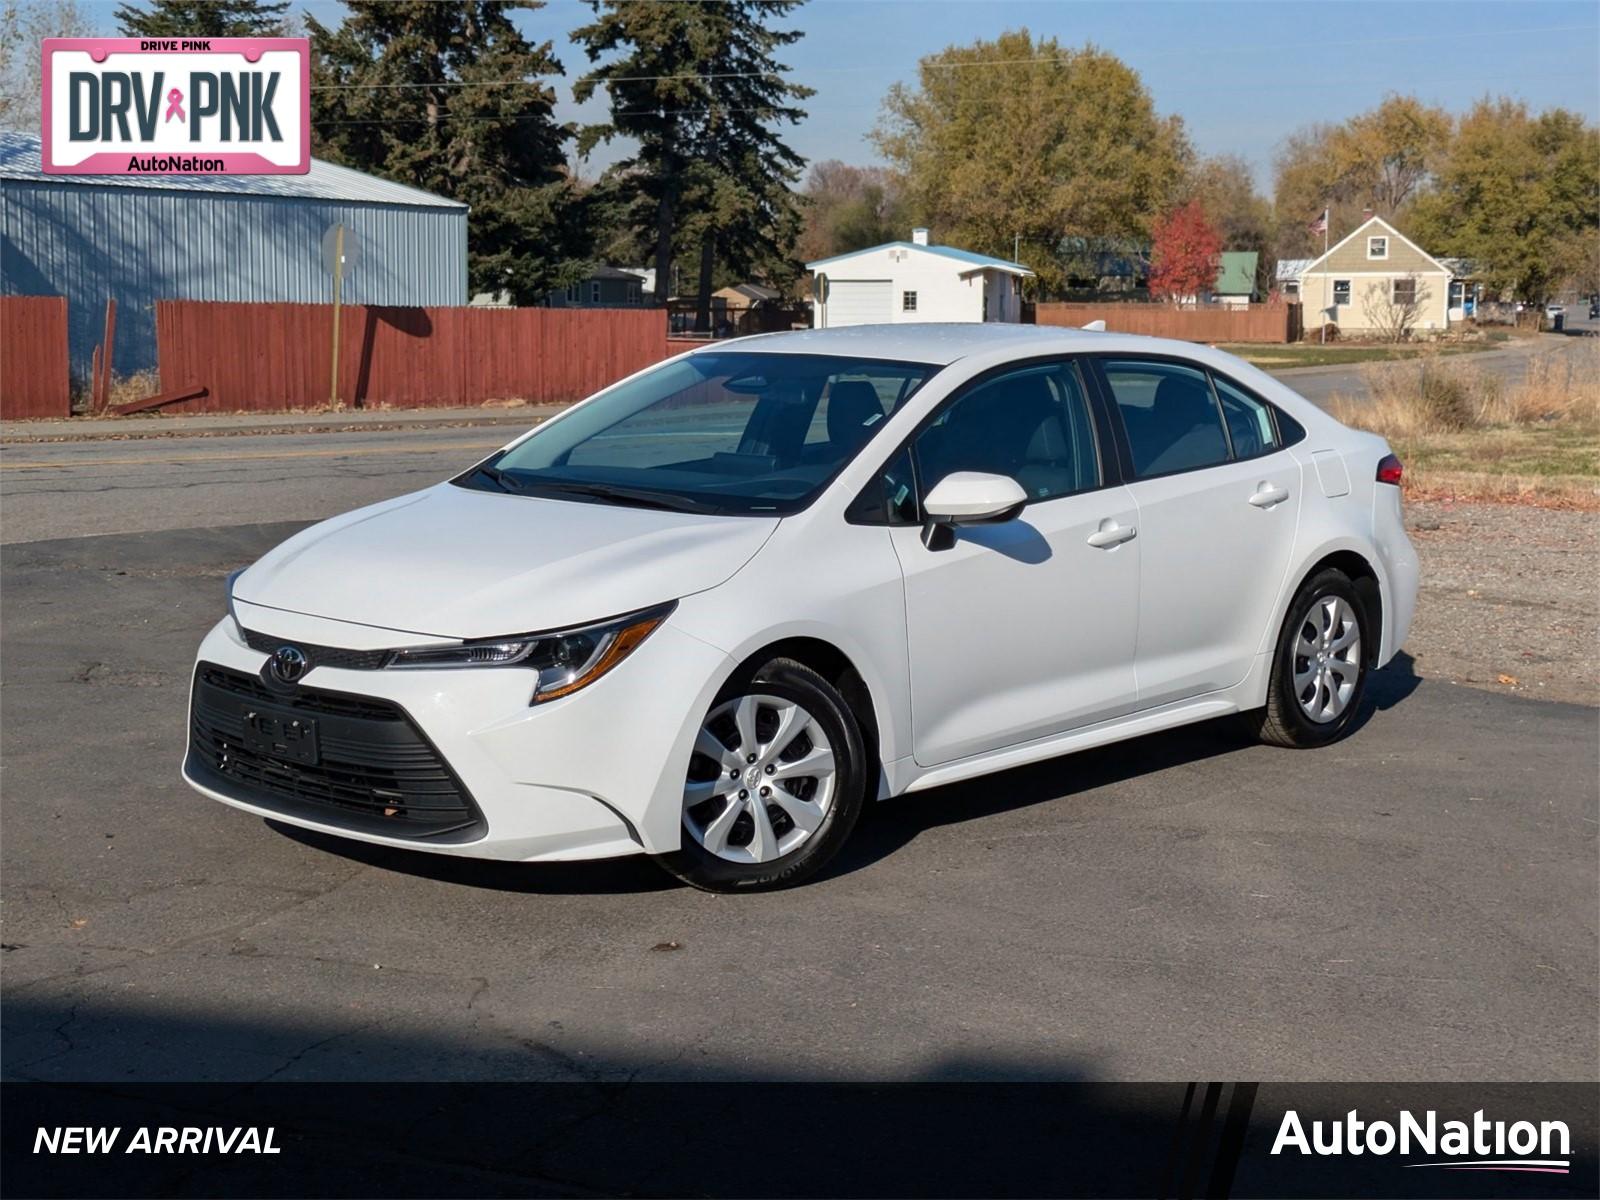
x,y
819,287
331,246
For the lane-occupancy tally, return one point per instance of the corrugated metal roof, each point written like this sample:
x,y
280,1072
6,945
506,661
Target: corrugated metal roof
x,y
966,256
19,159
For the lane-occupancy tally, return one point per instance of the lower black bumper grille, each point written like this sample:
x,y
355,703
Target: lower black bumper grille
x,y
368,769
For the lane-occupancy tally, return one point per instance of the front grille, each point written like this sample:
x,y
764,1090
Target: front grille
x,y
374,772
319,656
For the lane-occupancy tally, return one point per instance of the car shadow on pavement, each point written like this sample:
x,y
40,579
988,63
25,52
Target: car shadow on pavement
x,y
888,826
885,827
610,876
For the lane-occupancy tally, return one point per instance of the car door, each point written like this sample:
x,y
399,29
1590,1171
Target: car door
x,y
1024,628
1218,498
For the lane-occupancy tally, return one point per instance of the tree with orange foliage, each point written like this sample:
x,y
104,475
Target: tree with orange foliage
x,y
1184,255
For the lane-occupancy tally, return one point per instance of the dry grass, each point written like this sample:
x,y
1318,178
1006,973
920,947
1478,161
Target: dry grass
x,y
1464,434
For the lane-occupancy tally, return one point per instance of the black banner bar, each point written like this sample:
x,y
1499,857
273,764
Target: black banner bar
x,y
780,1140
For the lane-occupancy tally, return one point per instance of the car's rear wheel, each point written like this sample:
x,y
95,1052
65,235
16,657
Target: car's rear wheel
x,y
1319,669
776,782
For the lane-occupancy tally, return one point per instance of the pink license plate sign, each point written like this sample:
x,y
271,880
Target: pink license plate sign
x,y
170,106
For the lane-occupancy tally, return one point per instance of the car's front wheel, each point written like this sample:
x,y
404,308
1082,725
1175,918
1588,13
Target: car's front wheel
x,y
1319,669
776,782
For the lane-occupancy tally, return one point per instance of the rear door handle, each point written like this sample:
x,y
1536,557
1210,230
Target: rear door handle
x,y
1268,494
1111,534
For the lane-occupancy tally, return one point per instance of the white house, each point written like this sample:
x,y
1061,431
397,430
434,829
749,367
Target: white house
x,y
1374,280
913,281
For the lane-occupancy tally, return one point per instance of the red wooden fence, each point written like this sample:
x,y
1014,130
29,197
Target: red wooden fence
x,y
35,380
270,357
1257,323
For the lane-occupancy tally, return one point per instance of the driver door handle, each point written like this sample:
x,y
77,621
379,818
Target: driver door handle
x,y
1111,534
1268,494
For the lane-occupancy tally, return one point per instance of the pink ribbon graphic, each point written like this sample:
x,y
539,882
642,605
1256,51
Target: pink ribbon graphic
x,y
175,106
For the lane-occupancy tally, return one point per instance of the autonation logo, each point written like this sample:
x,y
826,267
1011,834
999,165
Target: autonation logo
x,y
1476,1145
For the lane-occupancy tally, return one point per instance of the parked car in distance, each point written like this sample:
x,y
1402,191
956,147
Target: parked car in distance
x,y
713,611
1553,310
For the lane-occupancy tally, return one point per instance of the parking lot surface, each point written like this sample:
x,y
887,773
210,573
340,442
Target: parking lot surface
x,y
1417,902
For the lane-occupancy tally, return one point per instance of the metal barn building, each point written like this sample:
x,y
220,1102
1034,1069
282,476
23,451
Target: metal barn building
x,y
214,237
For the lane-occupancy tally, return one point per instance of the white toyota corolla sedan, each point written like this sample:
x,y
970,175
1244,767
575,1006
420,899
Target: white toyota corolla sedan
x,y
710,612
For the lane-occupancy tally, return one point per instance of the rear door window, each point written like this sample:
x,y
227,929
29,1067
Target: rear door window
x,y
1170,414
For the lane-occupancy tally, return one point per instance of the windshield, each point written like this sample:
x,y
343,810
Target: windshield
x,y
722,433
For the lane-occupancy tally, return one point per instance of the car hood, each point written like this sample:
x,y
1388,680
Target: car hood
x,y
452,562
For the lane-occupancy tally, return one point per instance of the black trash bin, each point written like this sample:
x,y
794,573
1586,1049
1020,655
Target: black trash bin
x,y
1558,322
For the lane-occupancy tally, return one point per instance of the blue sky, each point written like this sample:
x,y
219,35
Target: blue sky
x,y
1241,75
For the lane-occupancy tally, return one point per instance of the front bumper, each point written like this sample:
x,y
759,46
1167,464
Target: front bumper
x,y
593,775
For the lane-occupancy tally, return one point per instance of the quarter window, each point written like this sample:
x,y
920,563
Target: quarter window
x,y
1031,425
1341,291
1377,247
1170,414
1250,427
908,302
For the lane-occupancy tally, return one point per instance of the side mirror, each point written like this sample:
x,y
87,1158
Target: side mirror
x,y
968,498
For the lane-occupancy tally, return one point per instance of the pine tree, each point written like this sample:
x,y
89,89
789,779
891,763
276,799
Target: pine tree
x,y
450,98
203,18
696,85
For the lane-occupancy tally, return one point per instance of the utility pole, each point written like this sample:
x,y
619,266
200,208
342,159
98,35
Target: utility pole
x,y
338,288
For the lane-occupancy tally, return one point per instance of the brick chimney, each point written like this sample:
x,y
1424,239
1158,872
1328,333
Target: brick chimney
x,y
1366,215
919,237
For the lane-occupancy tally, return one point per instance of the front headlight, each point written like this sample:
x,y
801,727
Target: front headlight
x,y
564,661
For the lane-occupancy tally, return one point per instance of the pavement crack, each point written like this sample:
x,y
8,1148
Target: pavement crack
x,y
316,1045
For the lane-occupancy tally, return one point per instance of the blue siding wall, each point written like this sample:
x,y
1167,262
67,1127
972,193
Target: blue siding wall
x,y
141,245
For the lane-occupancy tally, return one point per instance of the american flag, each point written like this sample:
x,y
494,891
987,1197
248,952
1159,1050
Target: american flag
x,y
1320,225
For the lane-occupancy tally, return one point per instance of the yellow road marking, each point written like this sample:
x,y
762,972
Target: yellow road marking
x,y
154,459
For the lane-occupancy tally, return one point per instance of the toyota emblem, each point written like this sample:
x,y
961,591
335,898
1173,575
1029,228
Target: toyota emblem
x,y
288,663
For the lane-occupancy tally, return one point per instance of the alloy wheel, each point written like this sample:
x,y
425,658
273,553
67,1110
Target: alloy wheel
x,y
761,779
1327,659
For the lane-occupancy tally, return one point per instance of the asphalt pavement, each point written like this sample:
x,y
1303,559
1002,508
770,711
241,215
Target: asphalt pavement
x,y
1417,902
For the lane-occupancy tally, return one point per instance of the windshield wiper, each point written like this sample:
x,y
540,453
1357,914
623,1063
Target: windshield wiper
x,y
637,497
495,476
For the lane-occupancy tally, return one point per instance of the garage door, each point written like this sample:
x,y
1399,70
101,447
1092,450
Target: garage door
x,y
859,301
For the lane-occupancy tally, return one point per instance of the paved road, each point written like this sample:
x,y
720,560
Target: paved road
x,y
1418,902
135,484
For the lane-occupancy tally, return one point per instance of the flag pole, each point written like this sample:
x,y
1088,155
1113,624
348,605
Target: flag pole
x,y
1325,305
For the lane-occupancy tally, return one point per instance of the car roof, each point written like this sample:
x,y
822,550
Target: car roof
x,y
926,342
941,344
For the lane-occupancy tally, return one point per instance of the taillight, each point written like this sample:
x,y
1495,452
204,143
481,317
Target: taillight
x,y
1390,469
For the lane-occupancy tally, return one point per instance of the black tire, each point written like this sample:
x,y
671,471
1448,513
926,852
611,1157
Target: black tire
x,y
1282,721
790,680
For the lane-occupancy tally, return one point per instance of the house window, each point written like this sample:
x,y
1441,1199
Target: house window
x,y
633,293
1341,291
594,291
1291,287
573,293
1403,292
908,302
1377,247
